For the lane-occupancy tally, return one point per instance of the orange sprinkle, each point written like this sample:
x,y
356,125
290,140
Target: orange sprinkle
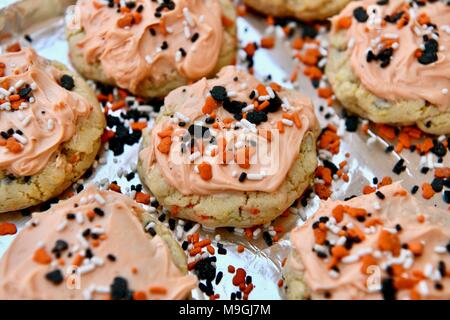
x,y
137,17
427,191
125,21
209,106
339,252
78,260
241,10
280,126
344,22
203,243
368,189
164,145
240,248
268,42
41,256
280,283
139,295
138,126
205,170
389,242
118,105
142,198
325,92
114,187
416,247
158,290
420,218
210,249
231,269
193,252
13,146
298,43
7,228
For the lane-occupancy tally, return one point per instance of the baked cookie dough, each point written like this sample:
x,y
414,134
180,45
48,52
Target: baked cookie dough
x,y
391,63
385,245
95,245
230,151
307,10
150,47
50,129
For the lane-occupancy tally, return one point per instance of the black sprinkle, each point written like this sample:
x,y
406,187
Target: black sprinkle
x,y
67,82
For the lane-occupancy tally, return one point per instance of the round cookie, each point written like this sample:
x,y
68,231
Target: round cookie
x,y
235,182
374,246
78,250
307,10
170,44
51,126
407,79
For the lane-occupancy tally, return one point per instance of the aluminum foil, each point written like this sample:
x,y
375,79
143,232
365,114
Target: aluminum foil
x,y
43,21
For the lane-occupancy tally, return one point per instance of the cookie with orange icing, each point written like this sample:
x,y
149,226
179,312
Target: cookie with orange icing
x,y
50,129
390,62
230,151
384,245
95,245
307,10
151,47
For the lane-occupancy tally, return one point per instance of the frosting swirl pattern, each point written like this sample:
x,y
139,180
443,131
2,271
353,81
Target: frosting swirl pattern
x,y
375,246
150,40
38,112
400,50
246,136
91,246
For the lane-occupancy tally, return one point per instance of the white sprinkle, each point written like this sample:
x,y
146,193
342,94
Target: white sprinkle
x,y
350,259
79,218
188,17
440,249
178,56
20,138
428,270
444,91
99,199
423,288
4,92
182,117
333,274
86,268
247,124
194,156
287,122
61,226
149,59
255,176
50,124
19,84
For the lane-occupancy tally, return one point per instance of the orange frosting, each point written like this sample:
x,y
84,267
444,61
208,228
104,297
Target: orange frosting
x,y
194,177
47,121
405,78
129,55
413,255
146,264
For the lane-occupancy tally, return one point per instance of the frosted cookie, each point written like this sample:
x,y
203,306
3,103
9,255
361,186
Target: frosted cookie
x,y
151,47
384,245
95,245
301,9
390,62
230,151
50,129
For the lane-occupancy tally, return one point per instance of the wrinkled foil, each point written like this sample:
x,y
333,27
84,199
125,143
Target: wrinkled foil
x,y
44,21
